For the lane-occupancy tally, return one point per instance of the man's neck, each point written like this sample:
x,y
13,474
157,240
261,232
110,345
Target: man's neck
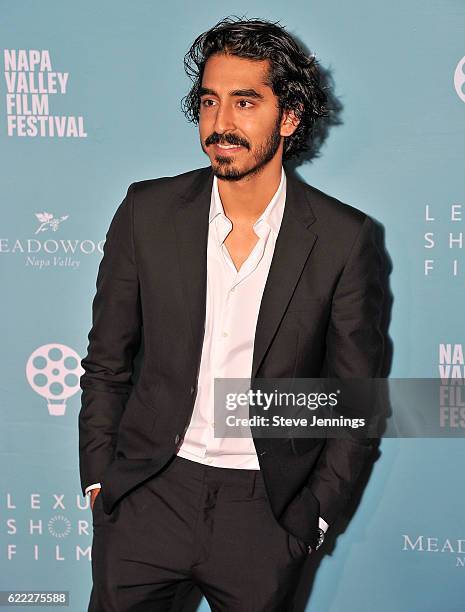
x,y
245,200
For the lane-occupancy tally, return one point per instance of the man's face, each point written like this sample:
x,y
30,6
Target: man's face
x,y
239,119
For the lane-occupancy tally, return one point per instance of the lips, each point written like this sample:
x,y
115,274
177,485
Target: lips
x,y
228,147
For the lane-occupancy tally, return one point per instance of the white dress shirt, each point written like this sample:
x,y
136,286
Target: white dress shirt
x,y
232,305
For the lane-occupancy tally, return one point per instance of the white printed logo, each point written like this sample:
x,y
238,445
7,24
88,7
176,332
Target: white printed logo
x,y
59,526
459,79
53,371
31,84
48,221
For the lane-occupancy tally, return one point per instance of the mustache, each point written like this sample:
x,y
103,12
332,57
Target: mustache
x,y
231,139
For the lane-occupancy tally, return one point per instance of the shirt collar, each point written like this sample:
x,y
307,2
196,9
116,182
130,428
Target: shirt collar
x,y
273,213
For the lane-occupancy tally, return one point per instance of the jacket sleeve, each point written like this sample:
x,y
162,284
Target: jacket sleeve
x,y
114,340
354,349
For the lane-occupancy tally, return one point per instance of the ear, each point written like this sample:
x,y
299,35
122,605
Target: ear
x,y
289,123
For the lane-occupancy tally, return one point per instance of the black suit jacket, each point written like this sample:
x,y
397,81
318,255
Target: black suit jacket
x,y
320,315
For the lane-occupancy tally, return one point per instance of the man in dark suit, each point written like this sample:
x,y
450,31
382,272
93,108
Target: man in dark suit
x,y
237,270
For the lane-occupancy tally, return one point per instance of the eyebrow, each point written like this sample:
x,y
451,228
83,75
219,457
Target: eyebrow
x,y
240,93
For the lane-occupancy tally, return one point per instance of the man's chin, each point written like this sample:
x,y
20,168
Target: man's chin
x,y
230,172
227,172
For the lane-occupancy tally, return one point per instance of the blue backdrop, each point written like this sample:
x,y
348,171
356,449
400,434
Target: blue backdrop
x,y
106,79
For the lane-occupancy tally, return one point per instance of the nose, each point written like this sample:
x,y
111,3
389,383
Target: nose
x,y
224,119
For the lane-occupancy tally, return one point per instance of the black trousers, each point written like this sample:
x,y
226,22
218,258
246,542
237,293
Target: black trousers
x,y
200,525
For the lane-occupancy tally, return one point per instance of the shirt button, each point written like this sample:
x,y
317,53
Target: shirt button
x,y
210,460
225,334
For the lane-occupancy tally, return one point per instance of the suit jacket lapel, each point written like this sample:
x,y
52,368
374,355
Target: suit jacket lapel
x,y
191,225
293,246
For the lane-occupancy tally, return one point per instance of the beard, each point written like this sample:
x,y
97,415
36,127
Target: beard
x,y
225,167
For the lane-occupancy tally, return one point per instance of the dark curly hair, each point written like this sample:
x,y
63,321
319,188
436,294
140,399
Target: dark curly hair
x,y
294,76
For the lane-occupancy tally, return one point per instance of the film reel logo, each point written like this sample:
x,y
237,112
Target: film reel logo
x,y
53,371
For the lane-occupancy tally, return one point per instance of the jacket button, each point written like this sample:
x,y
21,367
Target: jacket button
x,y
177,438
192,390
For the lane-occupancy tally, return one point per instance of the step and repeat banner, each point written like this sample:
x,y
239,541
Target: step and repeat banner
x,y
89,103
